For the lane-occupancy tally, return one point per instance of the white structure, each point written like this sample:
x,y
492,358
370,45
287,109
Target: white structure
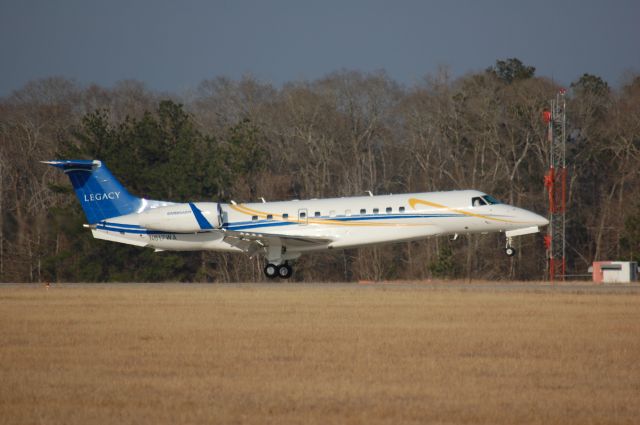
x,y
614,271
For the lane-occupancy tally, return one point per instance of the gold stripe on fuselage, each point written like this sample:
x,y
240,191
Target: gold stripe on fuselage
x,y
415,201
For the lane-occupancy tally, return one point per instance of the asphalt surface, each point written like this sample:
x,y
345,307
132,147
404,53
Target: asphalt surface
x,y
573,287
541,287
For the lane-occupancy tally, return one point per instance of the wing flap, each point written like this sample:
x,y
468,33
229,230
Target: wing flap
x,y
252,241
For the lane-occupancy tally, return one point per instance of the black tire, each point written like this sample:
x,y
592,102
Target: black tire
x,y
285,271
271,271
510,251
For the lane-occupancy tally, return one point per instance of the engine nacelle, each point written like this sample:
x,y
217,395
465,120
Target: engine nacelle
x,y
183,218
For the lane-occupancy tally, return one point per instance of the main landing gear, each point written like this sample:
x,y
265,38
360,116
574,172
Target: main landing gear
x,y
278,259
509,250
282,271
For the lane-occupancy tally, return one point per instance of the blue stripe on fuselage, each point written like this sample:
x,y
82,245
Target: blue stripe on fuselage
x,y
245,225
234,226
137,231
127,226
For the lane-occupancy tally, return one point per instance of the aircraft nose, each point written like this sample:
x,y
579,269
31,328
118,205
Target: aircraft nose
x,y
531,217
539,220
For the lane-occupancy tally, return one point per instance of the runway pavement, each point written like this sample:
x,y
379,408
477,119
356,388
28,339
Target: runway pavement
x,y
572,287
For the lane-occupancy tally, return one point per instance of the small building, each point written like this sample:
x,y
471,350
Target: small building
x,y
614,271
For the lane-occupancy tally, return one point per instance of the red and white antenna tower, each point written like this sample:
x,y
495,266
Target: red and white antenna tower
x,y
556,183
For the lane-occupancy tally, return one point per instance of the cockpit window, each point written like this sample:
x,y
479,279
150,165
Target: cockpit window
x,y
478,201
491,200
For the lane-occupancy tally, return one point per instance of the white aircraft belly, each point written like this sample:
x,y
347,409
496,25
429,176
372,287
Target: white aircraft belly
x,y
354,237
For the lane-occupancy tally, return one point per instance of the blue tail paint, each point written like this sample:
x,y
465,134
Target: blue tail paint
x,y
99,192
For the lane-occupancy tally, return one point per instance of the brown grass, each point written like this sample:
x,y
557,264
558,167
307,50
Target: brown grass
x,y
149,354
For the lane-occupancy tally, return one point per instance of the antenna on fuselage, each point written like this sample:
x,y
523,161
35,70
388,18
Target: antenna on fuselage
x,y
369,192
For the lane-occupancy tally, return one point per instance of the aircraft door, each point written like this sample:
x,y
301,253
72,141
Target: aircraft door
x,y
303,216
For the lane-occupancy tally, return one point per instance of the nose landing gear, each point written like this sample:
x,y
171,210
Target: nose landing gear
x,y
509,250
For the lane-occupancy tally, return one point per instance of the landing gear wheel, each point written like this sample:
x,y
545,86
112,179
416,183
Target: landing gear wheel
x,y
271,271
285,271
510,251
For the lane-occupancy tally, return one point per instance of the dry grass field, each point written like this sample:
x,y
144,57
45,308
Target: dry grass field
x,y
316,354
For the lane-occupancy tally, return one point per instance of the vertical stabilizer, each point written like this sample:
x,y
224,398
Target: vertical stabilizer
x,y
99,192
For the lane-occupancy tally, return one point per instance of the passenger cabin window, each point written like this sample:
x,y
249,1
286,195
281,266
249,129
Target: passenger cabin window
x,y
254,218
317,214
478,201
389,210
376,210
363,211
303,215
285,216
401,209
269,216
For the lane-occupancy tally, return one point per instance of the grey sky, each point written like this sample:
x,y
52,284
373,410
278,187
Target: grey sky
x,y
173,45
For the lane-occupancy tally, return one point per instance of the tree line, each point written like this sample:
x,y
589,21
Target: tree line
x,y
339,135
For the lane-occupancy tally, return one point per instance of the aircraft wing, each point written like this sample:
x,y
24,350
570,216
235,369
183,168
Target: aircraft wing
x,y
251,242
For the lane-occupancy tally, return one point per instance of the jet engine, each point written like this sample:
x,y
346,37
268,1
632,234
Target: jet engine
x,y
183,218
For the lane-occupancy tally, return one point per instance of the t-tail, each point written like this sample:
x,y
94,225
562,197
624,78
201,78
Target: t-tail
x,y
99,192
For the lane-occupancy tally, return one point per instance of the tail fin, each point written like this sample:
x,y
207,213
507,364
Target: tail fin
x,y
99,192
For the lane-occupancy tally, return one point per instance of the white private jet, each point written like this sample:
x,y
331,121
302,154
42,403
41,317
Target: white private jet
x,y
282,231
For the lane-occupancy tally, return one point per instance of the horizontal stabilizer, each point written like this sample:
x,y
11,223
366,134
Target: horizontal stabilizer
x,y
114,237
74,164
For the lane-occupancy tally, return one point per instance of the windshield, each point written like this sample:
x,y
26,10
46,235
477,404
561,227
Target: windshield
x,y
491,200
